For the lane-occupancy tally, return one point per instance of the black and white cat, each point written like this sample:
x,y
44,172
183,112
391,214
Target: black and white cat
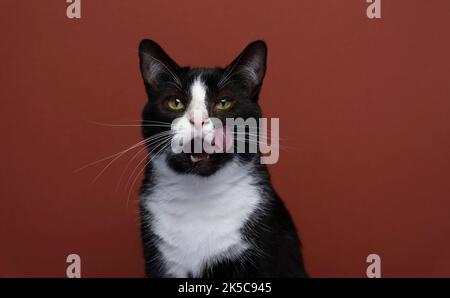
x,y
209,215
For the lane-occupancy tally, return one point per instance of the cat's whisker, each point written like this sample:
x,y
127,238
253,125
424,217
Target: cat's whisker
x,y
265,142
155,124
252,137
154,141
127,166
158,122
107,166
120,154
156,146
165,146
132,125
148,121
263,134
111,156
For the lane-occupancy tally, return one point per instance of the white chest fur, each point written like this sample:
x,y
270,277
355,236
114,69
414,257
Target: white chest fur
x,y
199,219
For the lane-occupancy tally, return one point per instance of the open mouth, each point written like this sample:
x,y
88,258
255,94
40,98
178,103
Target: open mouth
x,y
197,157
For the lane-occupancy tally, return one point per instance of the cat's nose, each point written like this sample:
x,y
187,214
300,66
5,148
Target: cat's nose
x,y
198,121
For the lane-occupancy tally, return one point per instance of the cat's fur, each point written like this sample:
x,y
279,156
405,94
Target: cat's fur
x,y
219,217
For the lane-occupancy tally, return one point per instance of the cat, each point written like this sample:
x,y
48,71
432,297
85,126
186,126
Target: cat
x,y
209,215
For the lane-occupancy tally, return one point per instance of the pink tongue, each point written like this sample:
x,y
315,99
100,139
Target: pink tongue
x,y
223,140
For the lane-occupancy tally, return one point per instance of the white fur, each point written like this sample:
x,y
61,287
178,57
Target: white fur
x,y
198,99
182,127
199,218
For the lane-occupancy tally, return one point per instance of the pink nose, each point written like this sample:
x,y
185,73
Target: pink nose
x,y
198,121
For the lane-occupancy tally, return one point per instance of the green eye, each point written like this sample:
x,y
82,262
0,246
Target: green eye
x,y
223,104
175,104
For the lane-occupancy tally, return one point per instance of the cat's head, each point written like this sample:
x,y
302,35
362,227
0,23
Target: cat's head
x,y
184,104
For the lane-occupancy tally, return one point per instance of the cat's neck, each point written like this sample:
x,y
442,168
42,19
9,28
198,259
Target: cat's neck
x,y
193,187
201,217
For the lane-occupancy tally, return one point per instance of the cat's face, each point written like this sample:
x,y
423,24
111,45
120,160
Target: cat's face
x,y
185,104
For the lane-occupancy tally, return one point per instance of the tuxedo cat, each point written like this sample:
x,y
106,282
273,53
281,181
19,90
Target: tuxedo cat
x,y
209,214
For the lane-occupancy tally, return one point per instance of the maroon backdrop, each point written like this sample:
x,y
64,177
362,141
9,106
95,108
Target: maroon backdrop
x,y
364,108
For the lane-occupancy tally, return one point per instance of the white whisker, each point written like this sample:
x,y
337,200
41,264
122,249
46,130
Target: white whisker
x,y
153,142
119,154
145,166
132,125
158,144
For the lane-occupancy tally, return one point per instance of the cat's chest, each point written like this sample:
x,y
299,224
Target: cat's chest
x,y
199,220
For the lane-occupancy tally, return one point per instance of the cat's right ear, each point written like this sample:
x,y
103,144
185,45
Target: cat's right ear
x,y
155,64
249,67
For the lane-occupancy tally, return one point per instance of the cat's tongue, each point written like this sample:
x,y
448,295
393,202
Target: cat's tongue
x,y
223,140
196,157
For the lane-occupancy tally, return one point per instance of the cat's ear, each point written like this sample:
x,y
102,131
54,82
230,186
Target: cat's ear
x,y
249,67
155,64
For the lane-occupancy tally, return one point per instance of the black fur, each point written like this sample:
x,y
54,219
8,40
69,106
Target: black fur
x,y
276,248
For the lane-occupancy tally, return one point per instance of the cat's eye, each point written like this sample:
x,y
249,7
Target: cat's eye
x,y
175,104
223,104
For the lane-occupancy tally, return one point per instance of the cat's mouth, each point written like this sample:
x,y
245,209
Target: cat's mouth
x,y
201,155
198,157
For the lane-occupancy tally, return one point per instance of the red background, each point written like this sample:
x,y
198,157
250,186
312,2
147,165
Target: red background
x,y
364,108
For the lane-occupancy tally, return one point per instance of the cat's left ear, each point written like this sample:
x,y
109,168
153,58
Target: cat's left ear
x,y
249,67
156,65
